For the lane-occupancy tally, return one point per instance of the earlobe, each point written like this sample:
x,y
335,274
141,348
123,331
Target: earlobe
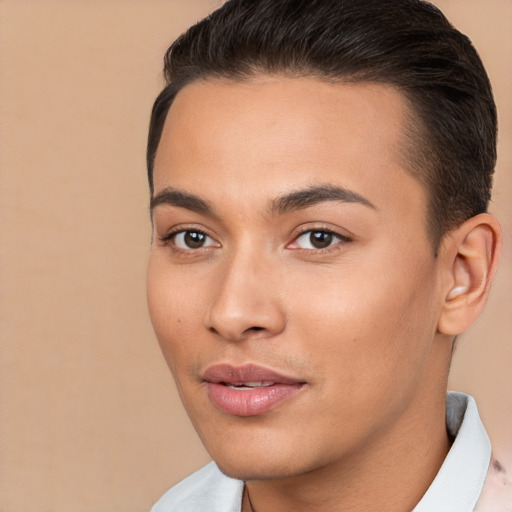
x,y
470,257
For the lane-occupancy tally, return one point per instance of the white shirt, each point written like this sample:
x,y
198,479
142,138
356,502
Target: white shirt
x,y
456,488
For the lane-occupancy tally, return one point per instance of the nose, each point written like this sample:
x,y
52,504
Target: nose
x,y
246,302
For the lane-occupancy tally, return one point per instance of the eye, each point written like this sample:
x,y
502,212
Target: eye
x,y
191,239
318,239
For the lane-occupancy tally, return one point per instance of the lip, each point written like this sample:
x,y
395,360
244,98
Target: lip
x,y
227,393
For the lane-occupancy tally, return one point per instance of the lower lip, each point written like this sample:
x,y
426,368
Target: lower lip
x,y
251,402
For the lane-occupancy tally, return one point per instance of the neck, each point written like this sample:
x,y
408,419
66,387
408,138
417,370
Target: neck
x,y
409,454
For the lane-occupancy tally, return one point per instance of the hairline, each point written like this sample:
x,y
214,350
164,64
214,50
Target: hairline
x,y
411,151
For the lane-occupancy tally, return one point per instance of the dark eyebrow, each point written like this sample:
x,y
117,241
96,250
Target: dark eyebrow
x,y
181,199
313,195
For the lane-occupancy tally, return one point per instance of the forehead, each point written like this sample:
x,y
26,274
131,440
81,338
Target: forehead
x,y
269,134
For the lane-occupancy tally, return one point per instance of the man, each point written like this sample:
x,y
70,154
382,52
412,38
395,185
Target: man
x,y
320,172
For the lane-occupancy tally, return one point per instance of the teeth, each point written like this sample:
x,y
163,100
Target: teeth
x,y
258,384
251,385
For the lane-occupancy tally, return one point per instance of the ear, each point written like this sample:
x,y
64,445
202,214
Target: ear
x,y
470,256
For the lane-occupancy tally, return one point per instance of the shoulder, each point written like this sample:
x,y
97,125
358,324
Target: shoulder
x,y
206,489
497,491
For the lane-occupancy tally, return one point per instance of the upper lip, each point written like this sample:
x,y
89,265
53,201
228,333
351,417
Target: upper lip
x,y
228,374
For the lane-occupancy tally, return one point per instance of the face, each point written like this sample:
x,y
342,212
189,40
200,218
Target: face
x,y
291,282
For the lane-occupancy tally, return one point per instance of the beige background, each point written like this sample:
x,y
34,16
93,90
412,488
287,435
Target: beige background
x,y
89,418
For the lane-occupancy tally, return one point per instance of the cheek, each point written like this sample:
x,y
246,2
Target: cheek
x,y
373,322
174,311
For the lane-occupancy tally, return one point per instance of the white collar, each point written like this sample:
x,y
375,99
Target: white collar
x,y
459,482
456,487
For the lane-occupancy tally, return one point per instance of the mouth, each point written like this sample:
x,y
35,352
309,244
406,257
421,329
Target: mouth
x,y
248,385
249,390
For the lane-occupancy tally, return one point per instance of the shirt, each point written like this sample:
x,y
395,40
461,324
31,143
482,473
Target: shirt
x,y
456,488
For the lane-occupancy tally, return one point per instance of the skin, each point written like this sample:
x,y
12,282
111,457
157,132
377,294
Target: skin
x,y
363,322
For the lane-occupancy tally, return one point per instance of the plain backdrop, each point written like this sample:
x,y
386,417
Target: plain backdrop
x,y
89,418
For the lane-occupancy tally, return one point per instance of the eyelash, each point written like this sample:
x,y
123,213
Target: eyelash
x,y
341,239
169,237
338,238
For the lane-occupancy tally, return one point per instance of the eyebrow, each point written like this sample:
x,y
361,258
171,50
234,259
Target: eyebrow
x,y
311,196
181,199
296,200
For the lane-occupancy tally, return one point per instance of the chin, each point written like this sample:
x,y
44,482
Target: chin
x,y
263,461
256,464
262,470
250,450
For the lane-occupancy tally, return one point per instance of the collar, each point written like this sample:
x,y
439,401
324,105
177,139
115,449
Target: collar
x,y
456,488
459,482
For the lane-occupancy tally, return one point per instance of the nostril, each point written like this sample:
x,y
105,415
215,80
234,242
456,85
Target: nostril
x,y
247,333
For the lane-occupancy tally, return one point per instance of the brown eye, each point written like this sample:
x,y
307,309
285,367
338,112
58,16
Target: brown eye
x,y
194,239
320,239
189,240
